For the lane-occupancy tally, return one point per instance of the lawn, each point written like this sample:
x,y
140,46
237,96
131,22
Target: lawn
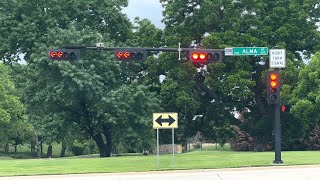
x,y
192,160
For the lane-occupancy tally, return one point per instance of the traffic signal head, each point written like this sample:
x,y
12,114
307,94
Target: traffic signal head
x,y
64,54
126,54
285,108
273,87
205,56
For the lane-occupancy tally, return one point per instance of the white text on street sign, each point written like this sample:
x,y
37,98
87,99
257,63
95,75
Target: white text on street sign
x,y
244,51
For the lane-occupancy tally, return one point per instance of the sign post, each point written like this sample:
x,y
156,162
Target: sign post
x,y
165,121
173,149
158,160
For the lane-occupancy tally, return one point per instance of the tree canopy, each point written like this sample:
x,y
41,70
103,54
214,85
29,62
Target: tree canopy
x,y
112,103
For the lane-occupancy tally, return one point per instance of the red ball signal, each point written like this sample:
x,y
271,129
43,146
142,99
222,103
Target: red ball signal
x,y
204,56
273,78
199,56
273,83
195,56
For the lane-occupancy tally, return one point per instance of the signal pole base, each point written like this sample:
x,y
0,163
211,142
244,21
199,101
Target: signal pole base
x,y
277,162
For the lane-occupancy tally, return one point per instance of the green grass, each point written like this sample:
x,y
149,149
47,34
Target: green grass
x,y
192,160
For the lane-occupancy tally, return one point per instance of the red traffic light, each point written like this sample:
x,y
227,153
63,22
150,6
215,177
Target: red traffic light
x,y
273,76
273,87
63,54
273,83
195,56
55,54
204,56
285,108
126,55
199,56
130,54
274,79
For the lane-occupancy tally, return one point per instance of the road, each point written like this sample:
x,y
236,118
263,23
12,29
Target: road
x,y
258,173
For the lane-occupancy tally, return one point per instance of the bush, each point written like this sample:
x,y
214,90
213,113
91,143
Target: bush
x,y
78,147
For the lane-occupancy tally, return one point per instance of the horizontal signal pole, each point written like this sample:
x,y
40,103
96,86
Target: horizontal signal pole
x,y
114,48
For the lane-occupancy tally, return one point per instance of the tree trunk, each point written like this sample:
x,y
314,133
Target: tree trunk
x,y
108,135
63,150
41,147
15,148
38,147
49,151
101,145
32,147
6,148
185,145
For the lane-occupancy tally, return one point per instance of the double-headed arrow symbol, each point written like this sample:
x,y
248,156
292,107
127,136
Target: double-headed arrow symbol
x,y
160,120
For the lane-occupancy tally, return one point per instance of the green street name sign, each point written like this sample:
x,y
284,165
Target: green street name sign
x,y
244,51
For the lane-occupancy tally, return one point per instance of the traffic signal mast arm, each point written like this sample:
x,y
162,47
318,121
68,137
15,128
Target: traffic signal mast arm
x,y
197,56
142,48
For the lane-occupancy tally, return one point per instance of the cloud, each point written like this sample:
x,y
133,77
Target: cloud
x,y
149,9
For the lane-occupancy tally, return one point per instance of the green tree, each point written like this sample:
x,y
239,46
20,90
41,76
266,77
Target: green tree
x,y
13,126
59,93
238,84
24,22
96,93
306,97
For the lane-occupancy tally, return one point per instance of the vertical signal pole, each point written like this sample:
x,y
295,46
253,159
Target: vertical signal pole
x,y
273,97
277,131
277,134
277,60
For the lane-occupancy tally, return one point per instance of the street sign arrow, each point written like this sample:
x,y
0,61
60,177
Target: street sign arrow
x,y
165,120
160,120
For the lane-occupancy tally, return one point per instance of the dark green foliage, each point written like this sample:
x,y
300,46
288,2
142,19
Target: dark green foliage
x,y
238,85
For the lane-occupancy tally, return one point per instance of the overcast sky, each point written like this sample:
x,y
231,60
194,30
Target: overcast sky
x,y
149,9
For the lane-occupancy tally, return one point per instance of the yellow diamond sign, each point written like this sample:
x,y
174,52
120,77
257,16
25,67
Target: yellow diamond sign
x,y
165,120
